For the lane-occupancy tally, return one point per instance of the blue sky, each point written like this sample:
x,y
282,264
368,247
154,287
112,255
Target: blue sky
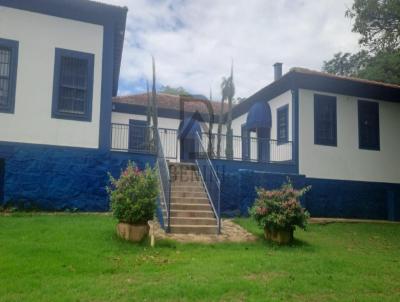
x,y
194,41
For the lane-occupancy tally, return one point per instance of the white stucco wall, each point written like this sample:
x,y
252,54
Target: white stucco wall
x,y
347,161
38,36
281,152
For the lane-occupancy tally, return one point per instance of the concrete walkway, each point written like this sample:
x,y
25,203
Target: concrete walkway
x,y
230,232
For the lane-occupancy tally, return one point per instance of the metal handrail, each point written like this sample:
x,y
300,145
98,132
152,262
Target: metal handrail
x,y
213,193
252,149
165,179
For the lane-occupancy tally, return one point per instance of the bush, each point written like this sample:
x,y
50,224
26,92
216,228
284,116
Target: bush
x,y
133,196
280,209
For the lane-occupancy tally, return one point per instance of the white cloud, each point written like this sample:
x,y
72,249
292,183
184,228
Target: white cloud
x,y
194,41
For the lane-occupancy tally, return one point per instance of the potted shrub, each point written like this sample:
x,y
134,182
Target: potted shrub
x,y
279,212
133,201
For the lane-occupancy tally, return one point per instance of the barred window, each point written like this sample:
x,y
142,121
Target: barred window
x,y
73,85
282,124
8,70
325,123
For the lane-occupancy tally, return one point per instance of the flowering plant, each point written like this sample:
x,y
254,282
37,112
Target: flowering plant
x,y
280,209
133,195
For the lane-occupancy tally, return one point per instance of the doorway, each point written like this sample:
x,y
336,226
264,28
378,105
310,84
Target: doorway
x,y
188,149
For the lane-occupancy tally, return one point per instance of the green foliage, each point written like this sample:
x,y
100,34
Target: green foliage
x,y
383,67
378,23
133,196
280,209
346,64
174,90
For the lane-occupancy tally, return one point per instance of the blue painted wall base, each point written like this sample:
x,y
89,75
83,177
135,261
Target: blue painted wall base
x,y
327,198
52,178
353,199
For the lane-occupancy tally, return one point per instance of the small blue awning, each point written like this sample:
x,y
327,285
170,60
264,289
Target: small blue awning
x,y
259,116
188,128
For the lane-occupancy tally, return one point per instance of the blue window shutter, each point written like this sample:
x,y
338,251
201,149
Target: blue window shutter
x,y
73,85
325,120
368,125
282,127
8,74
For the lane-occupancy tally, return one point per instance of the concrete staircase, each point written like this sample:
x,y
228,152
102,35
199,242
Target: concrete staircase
x,y
191,211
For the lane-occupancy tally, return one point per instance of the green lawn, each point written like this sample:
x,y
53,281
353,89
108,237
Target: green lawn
x,y
76,257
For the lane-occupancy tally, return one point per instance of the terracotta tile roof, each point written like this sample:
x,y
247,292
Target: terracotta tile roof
x,y
169,101
328,75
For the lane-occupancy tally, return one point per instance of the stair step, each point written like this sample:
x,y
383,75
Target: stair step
x,y
189,194
193,221
192,183
187,189
185,179
190,206
191,200
180,167
194,229
184,172
185,213
186,185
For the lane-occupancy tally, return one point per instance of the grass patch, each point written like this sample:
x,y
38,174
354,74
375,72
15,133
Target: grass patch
x,y
77,257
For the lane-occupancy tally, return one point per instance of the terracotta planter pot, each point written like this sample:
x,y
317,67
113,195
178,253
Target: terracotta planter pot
x,y
132,232
279,236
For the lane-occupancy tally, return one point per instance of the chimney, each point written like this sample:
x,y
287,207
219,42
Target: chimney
x,y
277,71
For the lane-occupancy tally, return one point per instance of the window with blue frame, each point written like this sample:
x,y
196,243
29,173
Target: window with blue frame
x,y
282,119
8,74
368,125
325,120
73,85
138,136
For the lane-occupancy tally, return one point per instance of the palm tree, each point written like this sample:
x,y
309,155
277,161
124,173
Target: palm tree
x,y
230,93
210,135
152,114
224,92
148,115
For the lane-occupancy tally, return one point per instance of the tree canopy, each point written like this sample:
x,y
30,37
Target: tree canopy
x,y
174,90
378,23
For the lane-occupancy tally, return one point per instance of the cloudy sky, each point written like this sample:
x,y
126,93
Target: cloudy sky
x,y
194,41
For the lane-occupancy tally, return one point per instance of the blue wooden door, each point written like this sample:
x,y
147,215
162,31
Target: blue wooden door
x,y
263,135
188,149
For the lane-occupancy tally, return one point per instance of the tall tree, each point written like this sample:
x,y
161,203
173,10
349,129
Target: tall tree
x,y
347,64
210,131
149,107
229,132
154,111
224,93
227,92
174,90
378,23
148,114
